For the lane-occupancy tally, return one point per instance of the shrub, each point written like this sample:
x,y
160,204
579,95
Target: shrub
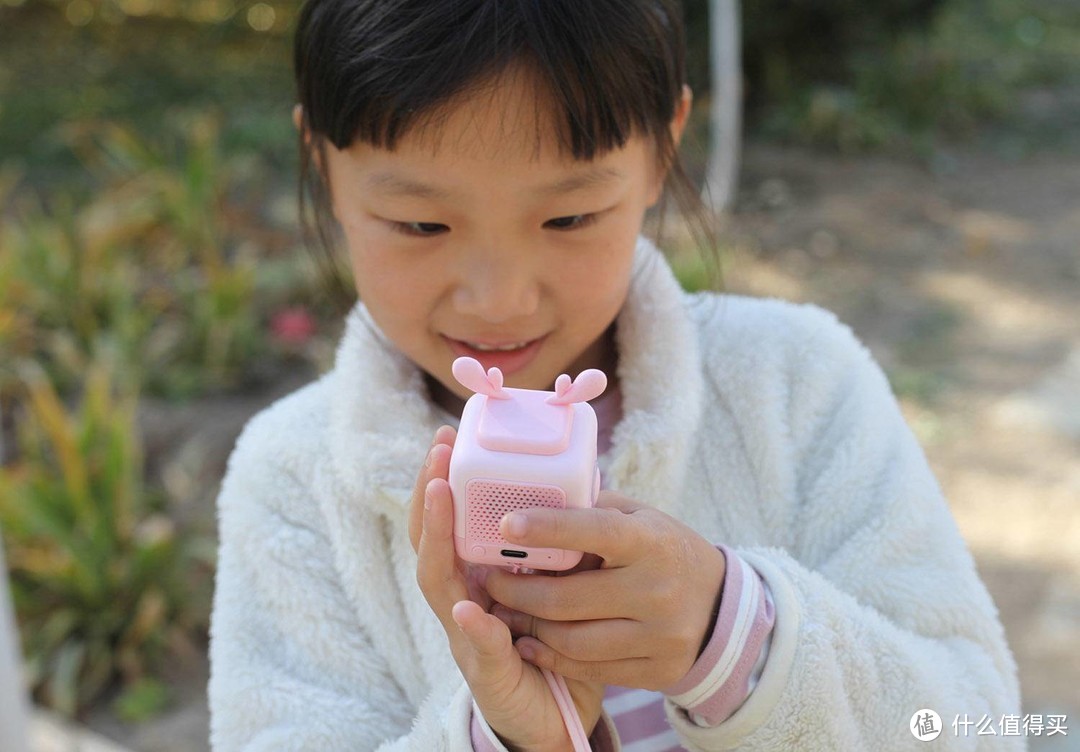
x,y
103,583
149,262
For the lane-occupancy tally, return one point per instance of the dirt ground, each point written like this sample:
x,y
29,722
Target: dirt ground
x,y
964,282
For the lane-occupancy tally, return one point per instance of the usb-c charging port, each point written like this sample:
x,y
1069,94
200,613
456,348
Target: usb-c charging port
x,y
513,554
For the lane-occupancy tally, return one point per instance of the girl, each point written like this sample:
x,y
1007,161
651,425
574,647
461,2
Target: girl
x,y
772,564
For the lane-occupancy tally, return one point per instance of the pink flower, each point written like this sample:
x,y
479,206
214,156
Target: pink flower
x,y
293,326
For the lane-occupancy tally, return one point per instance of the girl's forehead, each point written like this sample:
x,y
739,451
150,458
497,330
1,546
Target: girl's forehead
x,y
494,131
512,117
500,133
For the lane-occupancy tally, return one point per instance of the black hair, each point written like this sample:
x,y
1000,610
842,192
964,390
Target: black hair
x,y
374,69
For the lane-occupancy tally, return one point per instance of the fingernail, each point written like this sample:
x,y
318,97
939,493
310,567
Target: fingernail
x,y
427,460
526,652
516,524
455,614
427,497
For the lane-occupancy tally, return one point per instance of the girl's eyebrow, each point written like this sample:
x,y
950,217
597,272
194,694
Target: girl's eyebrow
x,y
584,179
395,185
389,183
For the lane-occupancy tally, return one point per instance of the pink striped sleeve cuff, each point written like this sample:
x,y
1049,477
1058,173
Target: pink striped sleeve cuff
x,y
726,672
484,739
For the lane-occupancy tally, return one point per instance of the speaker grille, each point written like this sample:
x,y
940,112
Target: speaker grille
x,y
490,500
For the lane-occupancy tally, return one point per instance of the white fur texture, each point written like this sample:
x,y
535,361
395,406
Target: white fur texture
x,y
778,436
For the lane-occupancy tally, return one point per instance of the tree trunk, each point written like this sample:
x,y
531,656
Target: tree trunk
x,y
725,54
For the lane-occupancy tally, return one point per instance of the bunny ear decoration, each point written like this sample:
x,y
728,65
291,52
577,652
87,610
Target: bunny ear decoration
x,y
562,385
470,374
589,384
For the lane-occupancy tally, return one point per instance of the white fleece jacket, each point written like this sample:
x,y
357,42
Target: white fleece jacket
x,y
761,424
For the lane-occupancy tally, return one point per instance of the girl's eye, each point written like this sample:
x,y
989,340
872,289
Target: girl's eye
x,y
571,223
420,229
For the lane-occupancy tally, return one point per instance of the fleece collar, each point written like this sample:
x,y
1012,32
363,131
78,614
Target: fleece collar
x,y
381,420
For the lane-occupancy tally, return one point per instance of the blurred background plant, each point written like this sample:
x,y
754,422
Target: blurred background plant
x,y
905,75
149,252
911,74
102,583
904,90
150,258
143,254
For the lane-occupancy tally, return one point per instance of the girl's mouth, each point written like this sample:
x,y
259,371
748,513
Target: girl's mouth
x,y
508,358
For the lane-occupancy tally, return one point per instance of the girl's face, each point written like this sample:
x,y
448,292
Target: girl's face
x,y
475,237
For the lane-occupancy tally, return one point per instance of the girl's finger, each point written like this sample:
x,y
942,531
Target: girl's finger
x,y
475,582
614,500
436,465
622,673
584,596
611,533
446,435
497,666
437,572
488,636
600,640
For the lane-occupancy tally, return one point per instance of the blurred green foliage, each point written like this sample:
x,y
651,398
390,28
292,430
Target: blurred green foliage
x,y
829,72
908,76
102,582
143,699
139,62
149,258
156,260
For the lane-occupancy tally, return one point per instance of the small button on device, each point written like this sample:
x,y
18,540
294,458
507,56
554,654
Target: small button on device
x,y
478,551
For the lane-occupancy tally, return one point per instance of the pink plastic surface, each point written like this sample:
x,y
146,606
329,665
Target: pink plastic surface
x,y
525,424
521,449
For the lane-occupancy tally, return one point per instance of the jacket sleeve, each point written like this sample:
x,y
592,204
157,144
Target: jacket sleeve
x,y
290,667
879,611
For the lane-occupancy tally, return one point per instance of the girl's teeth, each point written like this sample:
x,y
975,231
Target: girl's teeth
x,y
488,348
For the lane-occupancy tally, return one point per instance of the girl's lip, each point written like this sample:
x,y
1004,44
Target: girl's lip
x,y
507,361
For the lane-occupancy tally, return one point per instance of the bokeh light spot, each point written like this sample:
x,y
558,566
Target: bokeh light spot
x,y
1031,31
79,12
261,17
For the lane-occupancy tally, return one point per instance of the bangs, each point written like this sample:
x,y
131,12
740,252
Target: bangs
x,y
602,71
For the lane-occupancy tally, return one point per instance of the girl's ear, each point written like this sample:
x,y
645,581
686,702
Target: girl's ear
x,y
677,126
682,114
301,127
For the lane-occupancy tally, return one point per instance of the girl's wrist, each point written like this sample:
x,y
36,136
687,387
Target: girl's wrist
x,y
563,745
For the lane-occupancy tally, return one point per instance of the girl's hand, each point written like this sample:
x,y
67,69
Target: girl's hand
x,y
512,694
640,620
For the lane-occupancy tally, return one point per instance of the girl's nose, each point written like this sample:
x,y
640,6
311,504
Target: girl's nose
x,y
497,291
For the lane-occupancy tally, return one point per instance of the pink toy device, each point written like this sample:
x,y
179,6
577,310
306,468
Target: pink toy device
x,y
521,449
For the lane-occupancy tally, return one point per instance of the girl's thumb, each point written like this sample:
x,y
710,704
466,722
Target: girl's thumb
x,y
615,500
484,632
